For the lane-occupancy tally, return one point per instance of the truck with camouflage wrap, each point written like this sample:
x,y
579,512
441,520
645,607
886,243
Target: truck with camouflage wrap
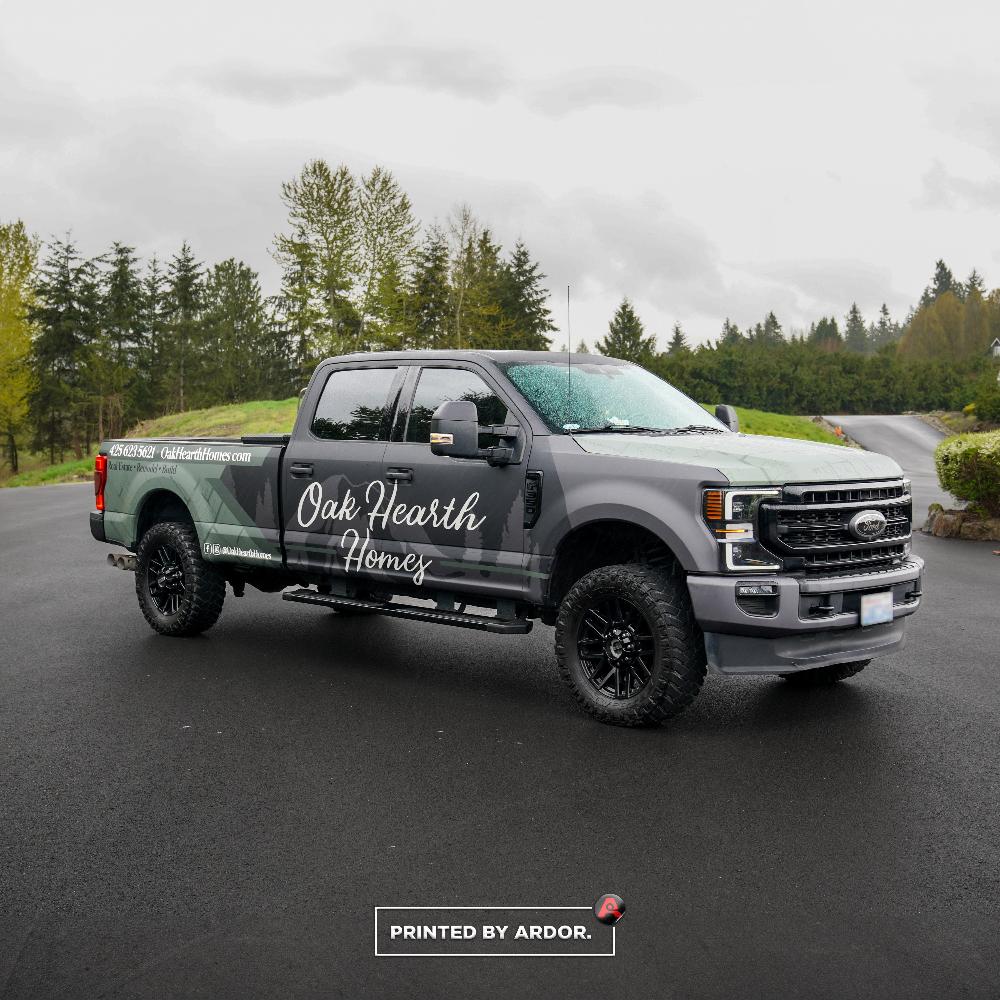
x,y
488,489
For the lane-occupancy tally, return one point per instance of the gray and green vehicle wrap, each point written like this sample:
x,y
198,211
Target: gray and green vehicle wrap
x,y
581,463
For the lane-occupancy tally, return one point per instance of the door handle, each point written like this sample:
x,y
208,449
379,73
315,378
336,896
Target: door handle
x,y
400,475
301,470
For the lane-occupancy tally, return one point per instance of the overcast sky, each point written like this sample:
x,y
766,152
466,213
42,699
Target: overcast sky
x,y
707,160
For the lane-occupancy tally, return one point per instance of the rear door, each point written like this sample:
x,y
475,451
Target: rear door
x,y
333,457
460,518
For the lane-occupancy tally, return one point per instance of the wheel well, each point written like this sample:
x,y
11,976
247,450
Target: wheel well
x,y
603,543
160,505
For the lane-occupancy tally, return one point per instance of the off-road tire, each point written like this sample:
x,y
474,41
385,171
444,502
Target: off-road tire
x,y
677,669
204,587
819,676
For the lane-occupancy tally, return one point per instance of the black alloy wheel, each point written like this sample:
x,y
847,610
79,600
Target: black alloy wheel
x,y
616,647
165,580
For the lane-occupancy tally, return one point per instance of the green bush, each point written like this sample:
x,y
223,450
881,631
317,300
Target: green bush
x,y
968,467
988,405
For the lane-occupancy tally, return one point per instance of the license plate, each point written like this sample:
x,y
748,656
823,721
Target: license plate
x,y
876,608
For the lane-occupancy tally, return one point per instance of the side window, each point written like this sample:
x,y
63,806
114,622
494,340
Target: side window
x,y
352,406
439,385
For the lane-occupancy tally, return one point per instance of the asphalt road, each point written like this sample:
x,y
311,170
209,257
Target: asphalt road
x,y
217,817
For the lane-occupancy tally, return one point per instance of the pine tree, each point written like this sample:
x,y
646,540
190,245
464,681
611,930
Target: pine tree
x,y
64,316
185,295
943,281
319,261
120,345
524,303
626,337
386,248
825,335
154,318
18,261
582,348
484,324
678,342
885,331
768,333
429,314
855,331
730,333
974,283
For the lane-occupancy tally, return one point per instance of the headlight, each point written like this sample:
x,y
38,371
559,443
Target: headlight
x,y
731,516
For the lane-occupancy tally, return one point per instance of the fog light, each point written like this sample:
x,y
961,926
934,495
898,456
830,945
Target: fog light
x,y
757,599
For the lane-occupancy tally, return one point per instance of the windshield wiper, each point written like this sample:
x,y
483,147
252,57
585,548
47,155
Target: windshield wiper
x,y
694,429
612,429
638,429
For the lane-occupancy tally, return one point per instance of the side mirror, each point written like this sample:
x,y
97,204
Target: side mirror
x,y
455,429
728,416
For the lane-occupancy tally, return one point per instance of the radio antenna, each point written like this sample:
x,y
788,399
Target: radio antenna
x,y
569,369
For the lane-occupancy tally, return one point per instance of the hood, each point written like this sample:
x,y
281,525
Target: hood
x,y
749,459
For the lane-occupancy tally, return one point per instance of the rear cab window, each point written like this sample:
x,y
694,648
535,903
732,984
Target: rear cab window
x,y
355,405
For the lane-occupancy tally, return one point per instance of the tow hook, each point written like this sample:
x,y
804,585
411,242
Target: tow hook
x,y
125,562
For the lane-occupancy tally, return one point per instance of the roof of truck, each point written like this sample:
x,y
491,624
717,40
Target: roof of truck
x,y
497,357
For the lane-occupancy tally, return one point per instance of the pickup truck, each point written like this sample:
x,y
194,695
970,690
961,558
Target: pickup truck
x,y
488,489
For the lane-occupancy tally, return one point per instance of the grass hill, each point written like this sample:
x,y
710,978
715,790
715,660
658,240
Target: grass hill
x,y
277,416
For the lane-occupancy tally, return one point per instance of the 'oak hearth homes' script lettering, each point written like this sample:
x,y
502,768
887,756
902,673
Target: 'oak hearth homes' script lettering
x,y
384,512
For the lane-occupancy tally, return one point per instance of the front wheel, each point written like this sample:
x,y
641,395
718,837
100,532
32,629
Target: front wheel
x,y
628,644
180,594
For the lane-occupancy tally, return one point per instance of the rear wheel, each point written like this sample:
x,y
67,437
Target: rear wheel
x,y
819,676
180,594
628,645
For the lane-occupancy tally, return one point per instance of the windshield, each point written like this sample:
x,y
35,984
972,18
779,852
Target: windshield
x,y
616,396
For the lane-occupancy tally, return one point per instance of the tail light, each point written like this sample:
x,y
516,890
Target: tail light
x,y
100,479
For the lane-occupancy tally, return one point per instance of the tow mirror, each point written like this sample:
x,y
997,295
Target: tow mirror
x,y
455,429
728,416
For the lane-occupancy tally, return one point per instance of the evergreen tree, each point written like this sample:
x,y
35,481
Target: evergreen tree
x,y
626,337
975,283
855,331
943,281
582,348
149,392
429,312
64,316
185,297
18,260
484,324
524,303
885,331
768,333
678,342
825,335
319,261
730,333
120,346
386,247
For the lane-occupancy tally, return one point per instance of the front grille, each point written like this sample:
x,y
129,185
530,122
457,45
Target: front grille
x,y
809,528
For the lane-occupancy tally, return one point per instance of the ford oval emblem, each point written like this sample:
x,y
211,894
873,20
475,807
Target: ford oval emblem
x,y
867,525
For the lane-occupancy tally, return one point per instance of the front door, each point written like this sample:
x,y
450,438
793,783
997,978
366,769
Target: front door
x,y
332,460
462,520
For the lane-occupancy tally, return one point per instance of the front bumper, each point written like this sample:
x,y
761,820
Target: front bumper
x,y
816,621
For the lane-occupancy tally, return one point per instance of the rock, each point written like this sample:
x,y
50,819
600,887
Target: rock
x,y
932,513
948,523
987,528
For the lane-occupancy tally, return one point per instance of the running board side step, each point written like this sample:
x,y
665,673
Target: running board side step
x,y
457,619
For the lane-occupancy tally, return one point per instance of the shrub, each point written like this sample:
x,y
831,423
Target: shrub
x,y
968,467
969,409
988,405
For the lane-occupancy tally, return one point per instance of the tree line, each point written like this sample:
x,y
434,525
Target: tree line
x,y
89,347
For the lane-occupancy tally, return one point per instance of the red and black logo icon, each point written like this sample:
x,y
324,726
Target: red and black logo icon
x,y
609,908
